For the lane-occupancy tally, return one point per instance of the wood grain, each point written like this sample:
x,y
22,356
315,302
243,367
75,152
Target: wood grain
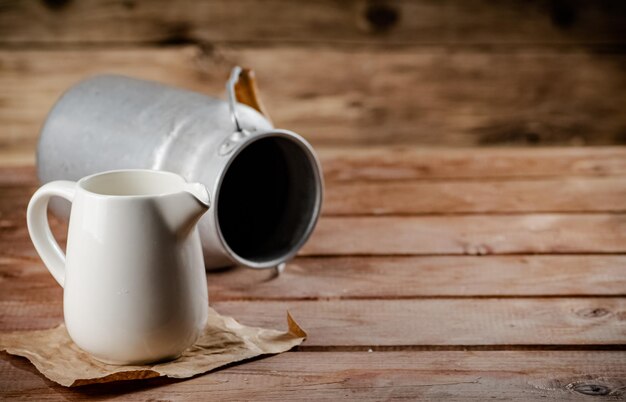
x,y
444,197
426,235
400,323
16,176
398,303
417,314
482,196
477,234
469,235
462,97
332,376
25,279
398,22
410,277
445,321
22,277
417,163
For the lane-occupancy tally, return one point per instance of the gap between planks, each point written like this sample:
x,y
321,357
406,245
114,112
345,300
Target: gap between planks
x,y
457,348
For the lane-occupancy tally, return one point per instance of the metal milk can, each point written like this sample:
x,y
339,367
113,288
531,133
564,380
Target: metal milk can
x,y
266,183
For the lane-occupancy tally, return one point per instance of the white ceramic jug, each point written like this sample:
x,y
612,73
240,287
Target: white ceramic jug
x,y
134,285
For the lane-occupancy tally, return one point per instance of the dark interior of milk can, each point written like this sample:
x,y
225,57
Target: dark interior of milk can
x,y
267,199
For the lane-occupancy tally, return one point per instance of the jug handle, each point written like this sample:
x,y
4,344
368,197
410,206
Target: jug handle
x,y
39,229
241,87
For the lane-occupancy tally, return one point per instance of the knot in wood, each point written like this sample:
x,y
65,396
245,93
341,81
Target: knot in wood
x,y
591,389
593,312
563,14
56,5
381,17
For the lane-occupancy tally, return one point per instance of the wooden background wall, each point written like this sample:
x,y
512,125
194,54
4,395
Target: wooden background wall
x,y
344,72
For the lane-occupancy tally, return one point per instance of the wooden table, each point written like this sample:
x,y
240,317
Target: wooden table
x,y
456,274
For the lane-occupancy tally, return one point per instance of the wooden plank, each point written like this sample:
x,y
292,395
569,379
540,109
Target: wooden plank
x,y
417,163
16,175
440,197
469,235
482,196
455,234
398,323
431,235
426,235
17,154
461,98
586,321
399,22
451,376
407,277
353,277
25,279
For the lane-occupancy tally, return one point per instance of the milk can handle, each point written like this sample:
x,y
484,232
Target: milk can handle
x,y
232,96
39,229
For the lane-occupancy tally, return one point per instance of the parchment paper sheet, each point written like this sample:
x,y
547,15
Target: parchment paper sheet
x,y
224,341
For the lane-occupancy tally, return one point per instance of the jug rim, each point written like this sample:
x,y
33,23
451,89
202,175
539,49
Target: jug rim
x,y
175,185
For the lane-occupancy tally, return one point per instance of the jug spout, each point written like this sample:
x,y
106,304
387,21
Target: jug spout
x,y
181,211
